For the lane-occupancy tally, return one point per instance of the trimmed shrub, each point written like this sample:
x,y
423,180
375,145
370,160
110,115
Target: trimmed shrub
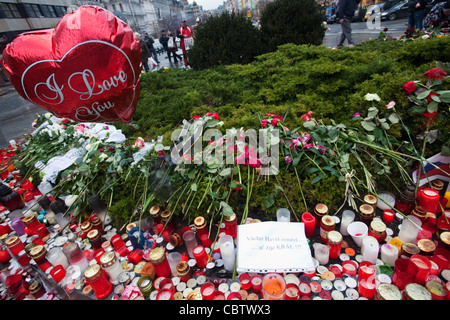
x,y
223,40
292,21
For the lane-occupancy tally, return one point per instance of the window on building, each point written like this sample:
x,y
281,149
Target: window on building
x,y
52,11
32,10
10,10
60,11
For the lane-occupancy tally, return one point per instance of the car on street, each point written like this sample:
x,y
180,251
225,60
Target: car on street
x,y
398,11
384,6
359,15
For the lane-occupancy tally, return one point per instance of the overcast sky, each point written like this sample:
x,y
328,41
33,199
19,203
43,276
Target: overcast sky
x,y
208,4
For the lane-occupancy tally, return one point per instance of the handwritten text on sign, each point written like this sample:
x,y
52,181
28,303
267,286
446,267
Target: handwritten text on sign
x,y
273,247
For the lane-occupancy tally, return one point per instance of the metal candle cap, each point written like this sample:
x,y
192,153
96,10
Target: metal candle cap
x,y
199,222
108,259
334,237
157,255
366,209
321,208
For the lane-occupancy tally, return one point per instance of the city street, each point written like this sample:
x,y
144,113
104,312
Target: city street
x,y
17,114
361,32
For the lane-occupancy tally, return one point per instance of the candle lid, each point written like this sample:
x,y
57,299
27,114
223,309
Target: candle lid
x,y
328,220
93,234
199,222
108,259
230,218
92,272
321,209
29,219
96,221
183,267
157,255
85,226
334,237
410,248
154,210
426,245
437,184
166,214
35,287
366,209
378,226
194,295
38,252
370,199
145,284
419,211
11,241
130,226
445,237
386,291
417,292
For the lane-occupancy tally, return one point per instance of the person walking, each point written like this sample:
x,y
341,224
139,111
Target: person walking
x,y
344,14
185,35
172,46
149,41
163,40
416,13
145,53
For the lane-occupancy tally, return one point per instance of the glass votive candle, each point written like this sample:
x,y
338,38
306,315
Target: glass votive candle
x,y
111,265
283,215
273,287
75,256
18,226
164,295
160,262
167,284
119,245
423,266
401,275
367,287
56,257
200,255
58,273
388,215
98,280
190,242
38,253
310,224
348,216
256,282
15,245
366,269
244,280
208,291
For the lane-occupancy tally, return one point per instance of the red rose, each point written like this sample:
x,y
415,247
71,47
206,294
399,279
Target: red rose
x,y
429,99
196,117
307,116
274,122
435,73
264,123
213,114
409,87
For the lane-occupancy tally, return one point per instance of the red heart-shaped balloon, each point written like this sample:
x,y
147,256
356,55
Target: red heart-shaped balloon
x,y
85,69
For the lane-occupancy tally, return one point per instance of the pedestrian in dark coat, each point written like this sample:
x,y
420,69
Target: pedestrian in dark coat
x,y
344,14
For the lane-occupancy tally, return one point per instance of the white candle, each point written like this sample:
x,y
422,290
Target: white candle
x,y
369,249
283,215
389,254
321,253
228,255
409,229
386,200
56,257
347,217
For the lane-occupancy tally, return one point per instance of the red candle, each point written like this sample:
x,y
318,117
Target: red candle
x,y
366,270
349,268
423,265
206,241
310,224
96,277
292,292
160,263
429,200
200,255
15,245
304,289
256,282
244,280
234,296
219,295
167,284
208,291
367,287
164,295
119,245
388,215
38,253
401,276
58,273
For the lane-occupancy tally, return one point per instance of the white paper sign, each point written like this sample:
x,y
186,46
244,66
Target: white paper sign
x,y
59,163
273,247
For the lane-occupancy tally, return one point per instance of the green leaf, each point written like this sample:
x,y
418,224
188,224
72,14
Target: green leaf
x,y
317,178
417,109
432,107
269,201
385,125
194,187
368,125
226,209
394,118
423,94
444,95
309,125
225,172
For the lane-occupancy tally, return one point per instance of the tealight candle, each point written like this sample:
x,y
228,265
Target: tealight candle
x,y
369,249
388,215
200,255
389,253
56,257
256,282
273,287
208,291
244,280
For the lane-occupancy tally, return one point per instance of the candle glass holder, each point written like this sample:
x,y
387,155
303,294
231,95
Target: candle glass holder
x,y
190,242
273,287
348,216
256,282
75,256
410,229
321,253
208,291
56,257
244,280
283,215
423,268
403,273
310,224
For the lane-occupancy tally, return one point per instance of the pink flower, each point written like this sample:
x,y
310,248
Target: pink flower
x,y
390,105
309,145
101,149
238,188
322,149
356,114
307,116
287,159
139,142
80,127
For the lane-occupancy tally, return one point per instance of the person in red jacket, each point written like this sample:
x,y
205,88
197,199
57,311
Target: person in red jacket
x,y
184,32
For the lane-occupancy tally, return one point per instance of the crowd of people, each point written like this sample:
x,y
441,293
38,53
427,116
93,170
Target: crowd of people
x,y
418,18
171,42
